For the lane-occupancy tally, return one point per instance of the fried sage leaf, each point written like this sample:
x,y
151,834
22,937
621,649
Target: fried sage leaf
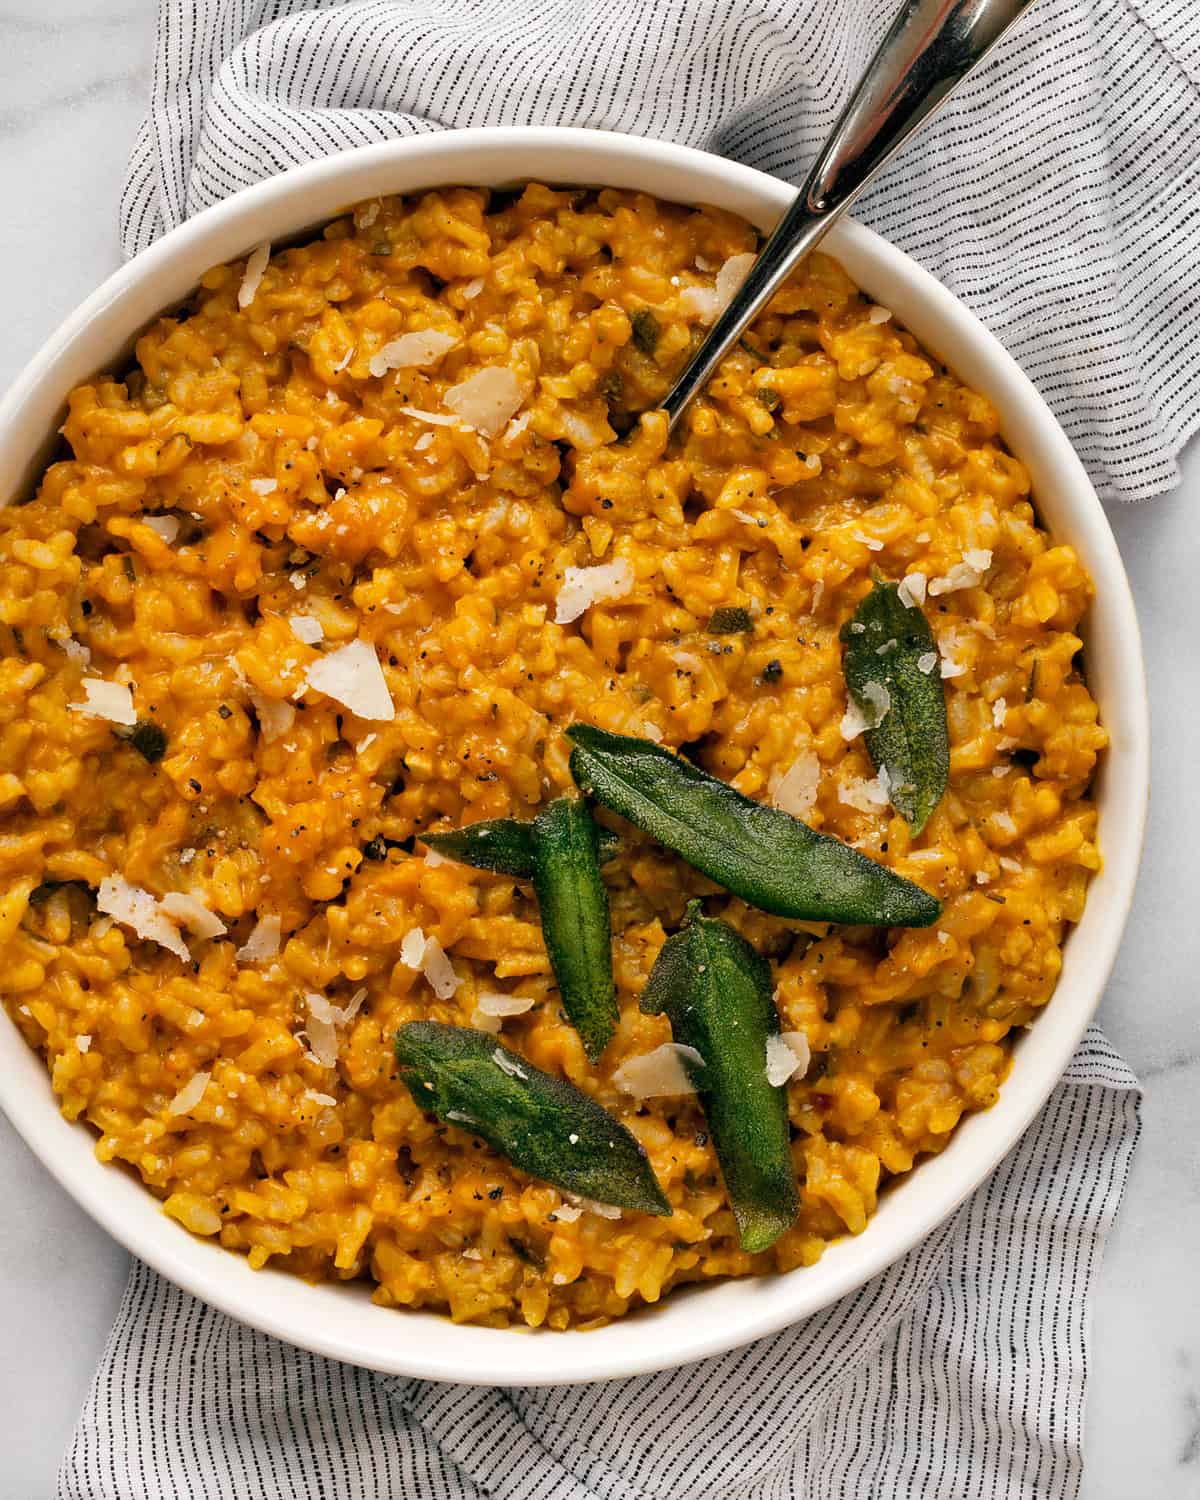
x,y
575,923
543,1125
504,845
768,858
716,992
885,644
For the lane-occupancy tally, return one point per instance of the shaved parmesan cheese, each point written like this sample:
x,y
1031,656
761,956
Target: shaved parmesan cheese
x,y
657,1074
873,544
264,486
730,277
796,790
341,365
326,1101
687,661
166,526
322,1040
855,719
506,1065
412,949
787,1054
952,668
583,587
136,908
74,650
967,574
274,718
256,264
482,1022
84,1042
492,1004
926,662
306,629
999,712
568,1212
438,969
190,912
867,796
472,288
435,419
604,1210
911,590
423,442
352,676
700,302
106,700
486,399
433,859
412,351
517,426
581,433
878,314
189,1095
263,941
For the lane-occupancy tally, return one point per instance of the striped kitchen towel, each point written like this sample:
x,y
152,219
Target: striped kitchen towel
x,y
957,1373
1056,199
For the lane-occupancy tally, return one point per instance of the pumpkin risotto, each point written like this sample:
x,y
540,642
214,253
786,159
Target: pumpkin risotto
x,y
337,564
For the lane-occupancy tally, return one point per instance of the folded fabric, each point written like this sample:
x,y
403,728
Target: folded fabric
x,y
959,1371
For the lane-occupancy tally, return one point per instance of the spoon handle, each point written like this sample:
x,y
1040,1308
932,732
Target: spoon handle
x,y
931,47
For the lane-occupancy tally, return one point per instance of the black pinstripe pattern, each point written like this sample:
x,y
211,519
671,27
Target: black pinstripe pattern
x,y
958,1372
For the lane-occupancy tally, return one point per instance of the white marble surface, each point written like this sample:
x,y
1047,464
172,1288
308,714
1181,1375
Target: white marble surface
x,y
73,74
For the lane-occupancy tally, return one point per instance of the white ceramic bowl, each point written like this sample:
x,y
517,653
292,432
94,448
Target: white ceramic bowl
x,y
341,1321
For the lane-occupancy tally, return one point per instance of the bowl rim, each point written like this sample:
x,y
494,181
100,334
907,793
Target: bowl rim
x,y
332,1319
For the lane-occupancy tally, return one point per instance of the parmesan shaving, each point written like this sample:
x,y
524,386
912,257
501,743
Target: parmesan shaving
x,y
787,1054
263,941
485,400
412,949
438,969
190,912
352,676
911,590
568,1212
138,909
189,1095
412,351
256,264
492,1004
926,662
84,1042
878,314
583,587
167,527
306,629
106,700
472,288
264,486
274,718
856,720
660,1073
796,790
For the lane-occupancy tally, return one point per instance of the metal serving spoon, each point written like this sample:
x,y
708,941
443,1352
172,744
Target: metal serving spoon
x,y
931,47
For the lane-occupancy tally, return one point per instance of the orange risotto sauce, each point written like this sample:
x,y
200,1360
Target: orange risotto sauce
x,y
276,482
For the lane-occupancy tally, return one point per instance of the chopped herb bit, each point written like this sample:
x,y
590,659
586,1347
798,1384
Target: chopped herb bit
x,y
730,619
147,738
645,330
